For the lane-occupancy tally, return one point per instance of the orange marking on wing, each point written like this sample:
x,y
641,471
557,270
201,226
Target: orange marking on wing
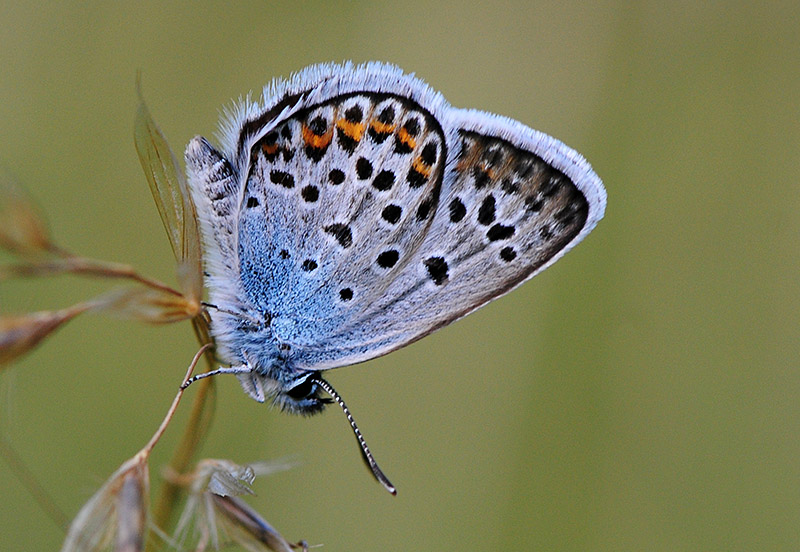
x,y
468,158
382,128
421,167
406,138
315,141
352,130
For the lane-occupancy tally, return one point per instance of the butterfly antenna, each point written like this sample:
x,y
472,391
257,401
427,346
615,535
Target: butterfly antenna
x,y
368,458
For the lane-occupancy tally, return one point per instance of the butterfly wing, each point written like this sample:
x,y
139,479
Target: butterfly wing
x,y
362,212
337,199
513,201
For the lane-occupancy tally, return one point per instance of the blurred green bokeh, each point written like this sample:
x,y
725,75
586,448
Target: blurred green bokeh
x,y
642,394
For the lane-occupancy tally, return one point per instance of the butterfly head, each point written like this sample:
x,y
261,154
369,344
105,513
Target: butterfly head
x,y
262,363
302,396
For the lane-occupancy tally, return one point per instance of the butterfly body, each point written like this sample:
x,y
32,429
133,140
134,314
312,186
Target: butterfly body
x,y
353,211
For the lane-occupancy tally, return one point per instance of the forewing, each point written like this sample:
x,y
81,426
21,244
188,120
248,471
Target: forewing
x,y
338,199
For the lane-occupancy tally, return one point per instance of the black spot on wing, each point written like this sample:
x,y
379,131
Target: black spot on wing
x,y
309,265
363,168
508,254
388,259
384,180
341,232
486,213
500,232
437,269
310,193
392,213
282,178
457,210
354,114
336,177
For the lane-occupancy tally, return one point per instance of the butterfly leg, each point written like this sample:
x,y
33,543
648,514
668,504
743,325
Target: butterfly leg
x,y
242,372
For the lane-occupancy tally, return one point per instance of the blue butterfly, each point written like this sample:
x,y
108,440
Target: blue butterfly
x,y
353,211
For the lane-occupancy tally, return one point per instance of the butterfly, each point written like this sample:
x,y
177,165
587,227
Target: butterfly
x,y
352,211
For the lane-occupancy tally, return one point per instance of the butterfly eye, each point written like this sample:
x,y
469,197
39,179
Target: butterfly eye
x,y
303,390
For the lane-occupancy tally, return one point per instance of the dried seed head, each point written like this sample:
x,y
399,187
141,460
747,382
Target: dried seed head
x,y
225,477
232,482
212,509
115,518
151,305
131,514
247,528
22,230
20,334
190,276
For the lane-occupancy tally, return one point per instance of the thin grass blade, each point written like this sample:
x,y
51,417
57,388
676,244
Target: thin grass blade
x,y
171,194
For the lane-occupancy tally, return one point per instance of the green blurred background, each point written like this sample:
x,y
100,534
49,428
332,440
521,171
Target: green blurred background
x,y
642,394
